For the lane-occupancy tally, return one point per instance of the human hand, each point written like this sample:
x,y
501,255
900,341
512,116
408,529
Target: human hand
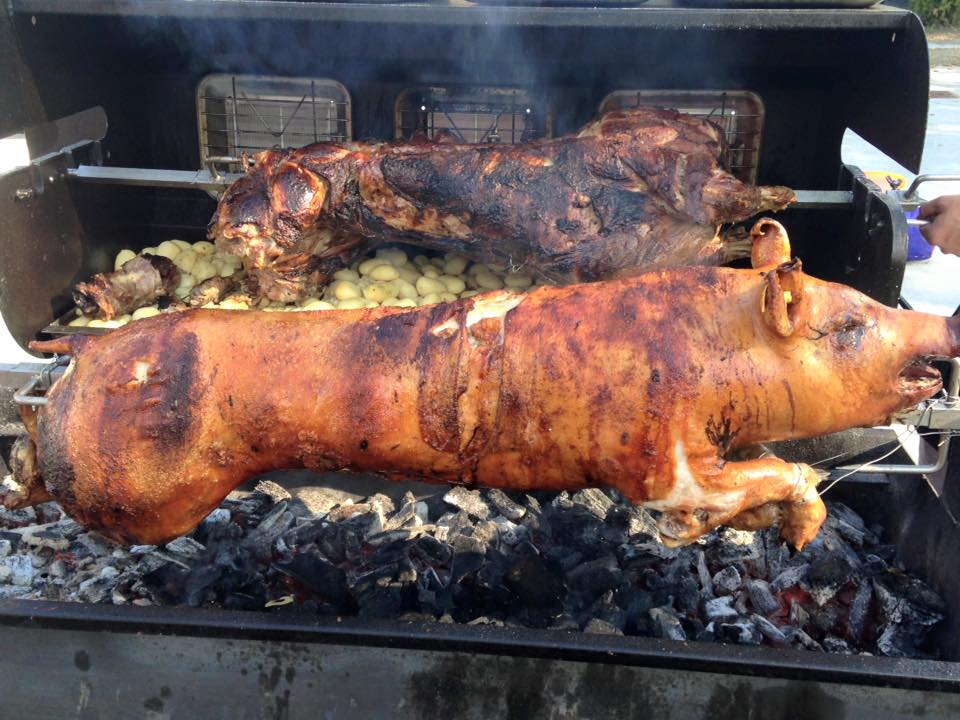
x,y
943,229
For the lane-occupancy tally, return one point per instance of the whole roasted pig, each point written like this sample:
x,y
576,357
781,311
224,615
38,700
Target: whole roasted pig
x,y
645,384
635,190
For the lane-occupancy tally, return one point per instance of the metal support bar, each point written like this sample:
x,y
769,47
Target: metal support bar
x,y
823,199
142,177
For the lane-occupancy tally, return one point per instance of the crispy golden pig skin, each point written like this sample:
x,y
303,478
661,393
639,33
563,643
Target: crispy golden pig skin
x,y
643,384
635,190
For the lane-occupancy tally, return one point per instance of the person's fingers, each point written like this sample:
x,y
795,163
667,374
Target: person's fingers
x,y
930,209
927,232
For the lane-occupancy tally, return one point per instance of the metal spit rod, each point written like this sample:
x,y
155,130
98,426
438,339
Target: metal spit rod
x,y
142,177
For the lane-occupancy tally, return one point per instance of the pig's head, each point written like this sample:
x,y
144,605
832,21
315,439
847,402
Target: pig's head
x,y
850,360
269,210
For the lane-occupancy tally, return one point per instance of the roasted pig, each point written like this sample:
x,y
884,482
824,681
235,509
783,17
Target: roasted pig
x,y
646,384
633,191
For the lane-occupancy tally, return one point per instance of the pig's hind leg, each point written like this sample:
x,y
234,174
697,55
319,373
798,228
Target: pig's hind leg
x,y
751,494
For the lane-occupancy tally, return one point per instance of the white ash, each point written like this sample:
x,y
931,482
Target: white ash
x,y
588,561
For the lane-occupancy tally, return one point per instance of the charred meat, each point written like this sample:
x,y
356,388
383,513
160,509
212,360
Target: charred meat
x,y
141,281
633,191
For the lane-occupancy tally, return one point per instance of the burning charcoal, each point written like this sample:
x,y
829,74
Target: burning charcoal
x,y
58,569
798,616
272,490
6,547
790,577
484,531
741,632
563,557
826,575
666,624
21,569
593,500
608,612
642,526
770,631
218,517
719,609
406,514
385,504
386,601
141,549
533,505
454,524
859,609
849,525
13,591
727,581
686,595
198,585
826,618
796,636
737,546
12,538
741,602
706,582
470,501
510,533
562,501
317,575
596,626
422,512
761,597
347,512
185,548
595,576
833,644
319,501
873,564
466,562
505,504
96,589
468,544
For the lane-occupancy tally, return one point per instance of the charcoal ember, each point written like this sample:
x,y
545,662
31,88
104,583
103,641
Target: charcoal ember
x,y
827,574
218,517
18,517
561,501
312,572
872,565
574,525
606,611
429,551
736,546
11,539
833,644
58,569
141,549
565,622
470,501
666,623
849,525
826,619
318,501
859,611
775,552
348,511
505,505
96,589
387,537
533,505
387,601
706,581
165,582
727,581
798,638
741,631
485,531
421,511
53,536
720,609
453,524
762,597
244,601
90,544
20,569
799,617
595,576
686,595
596,626
509,532
741,602
466,562
593,500
773,634
8,592
406,515
902,598
277,493
563,557
386,504
467,544
198,585
186,549
790,577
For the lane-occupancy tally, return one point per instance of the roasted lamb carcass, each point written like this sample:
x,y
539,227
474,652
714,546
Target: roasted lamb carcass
x,y
633,191
646,384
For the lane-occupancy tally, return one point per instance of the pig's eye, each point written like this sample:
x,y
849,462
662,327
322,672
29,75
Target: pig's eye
x,y
847,332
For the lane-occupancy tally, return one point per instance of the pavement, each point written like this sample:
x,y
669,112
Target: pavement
x,y
930,285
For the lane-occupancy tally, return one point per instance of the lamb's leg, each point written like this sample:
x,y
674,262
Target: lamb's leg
x,y
749,495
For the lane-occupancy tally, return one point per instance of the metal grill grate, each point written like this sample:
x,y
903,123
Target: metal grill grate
x,y
244,114
471,115
739,114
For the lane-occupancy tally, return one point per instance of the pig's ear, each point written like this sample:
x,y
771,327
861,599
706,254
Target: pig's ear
x,y
770,244
781,300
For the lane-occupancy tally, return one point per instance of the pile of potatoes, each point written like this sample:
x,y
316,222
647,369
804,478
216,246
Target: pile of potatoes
x,y
390,278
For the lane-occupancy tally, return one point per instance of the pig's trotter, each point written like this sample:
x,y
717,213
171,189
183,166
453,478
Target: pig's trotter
x,y
749,495
24,485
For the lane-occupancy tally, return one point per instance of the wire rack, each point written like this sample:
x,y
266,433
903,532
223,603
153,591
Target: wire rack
x,y
244,114
740,114
471,115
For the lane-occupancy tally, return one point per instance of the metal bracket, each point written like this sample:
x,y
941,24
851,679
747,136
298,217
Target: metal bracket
x,y
910,200
41,382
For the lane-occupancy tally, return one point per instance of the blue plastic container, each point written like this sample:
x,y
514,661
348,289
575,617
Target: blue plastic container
x,y
917,246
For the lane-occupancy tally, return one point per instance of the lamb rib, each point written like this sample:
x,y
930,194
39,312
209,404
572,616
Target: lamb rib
x,y
635,190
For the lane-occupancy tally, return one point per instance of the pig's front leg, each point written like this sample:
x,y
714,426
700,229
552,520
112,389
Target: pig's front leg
x,y
750,495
